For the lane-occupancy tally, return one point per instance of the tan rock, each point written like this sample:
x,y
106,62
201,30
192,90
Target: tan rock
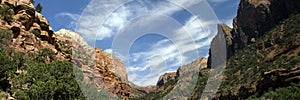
x,y
19,2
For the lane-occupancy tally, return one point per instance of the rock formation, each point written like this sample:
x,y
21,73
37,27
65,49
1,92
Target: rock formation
x,y
199,63
255,17
261,48
100,68
165,78
217,52
31,31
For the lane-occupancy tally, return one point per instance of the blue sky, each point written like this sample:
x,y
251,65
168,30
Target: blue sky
x,y
150,37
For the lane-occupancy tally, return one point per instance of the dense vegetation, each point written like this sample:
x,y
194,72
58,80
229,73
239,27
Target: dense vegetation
x,y
283,93
28,76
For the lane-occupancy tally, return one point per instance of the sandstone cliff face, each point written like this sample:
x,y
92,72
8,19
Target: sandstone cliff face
x,y
31,30
255,17
99,68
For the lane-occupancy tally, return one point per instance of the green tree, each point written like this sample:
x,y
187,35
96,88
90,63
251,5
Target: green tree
x,y
5,36
32,1
55,80
7,69
39,7
44,54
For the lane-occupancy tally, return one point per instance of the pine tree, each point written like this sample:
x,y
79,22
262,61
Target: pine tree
x,y
39,8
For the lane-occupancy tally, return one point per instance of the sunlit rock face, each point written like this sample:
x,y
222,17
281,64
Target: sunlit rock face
x,y
99,68
31,30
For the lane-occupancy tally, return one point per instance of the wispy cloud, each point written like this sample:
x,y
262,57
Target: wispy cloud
x,y
118,14
181,46
168,54
72,17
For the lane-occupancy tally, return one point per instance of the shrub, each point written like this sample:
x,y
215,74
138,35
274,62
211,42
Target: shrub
x,y
55,80
283,93
7,69
5,36
49,81
6,13
43,54
39,7
36,32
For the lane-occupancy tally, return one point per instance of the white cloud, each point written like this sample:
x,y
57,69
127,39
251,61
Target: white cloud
x,y
91,26
72,16
108,51
93,18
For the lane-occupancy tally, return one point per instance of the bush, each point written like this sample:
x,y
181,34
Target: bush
x,y
49,81
44,54
39,7
6,13
36,32
5,36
